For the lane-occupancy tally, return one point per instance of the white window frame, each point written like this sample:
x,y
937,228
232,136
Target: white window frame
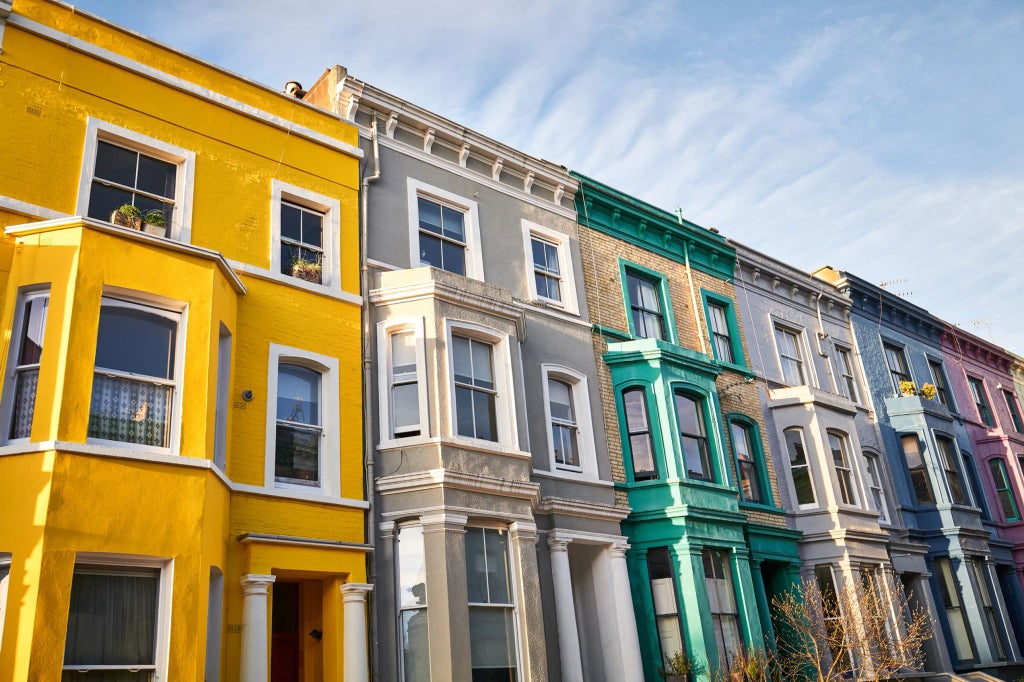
x,y
513,551
850,466
399,608
805,365
330,453
164,598
846,384
810,470
474,257
10,378
330,207
180,226
873,461
170,309
567,281
385,330
577,383
505,404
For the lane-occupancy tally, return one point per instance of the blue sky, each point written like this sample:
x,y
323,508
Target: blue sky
x,y
882,138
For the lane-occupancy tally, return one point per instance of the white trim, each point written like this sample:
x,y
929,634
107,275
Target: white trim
x,y
474,257
25,294
306,496
164,597
580,478
331,209
280,278
330,449
567,280
180,227
577,383
79,45
385,330
25,208
806,357
172,310
484,180
808,456
505,403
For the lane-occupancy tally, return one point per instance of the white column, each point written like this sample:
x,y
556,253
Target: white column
x,y
631,661
356,665
565,609
255,589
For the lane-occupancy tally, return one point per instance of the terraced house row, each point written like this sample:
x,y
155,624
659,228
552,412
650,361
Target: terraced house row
x,y
320,385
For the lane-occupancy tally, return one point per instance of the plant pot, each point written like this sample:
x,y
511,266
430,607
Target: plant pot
x,y
157,230
307,273
122,220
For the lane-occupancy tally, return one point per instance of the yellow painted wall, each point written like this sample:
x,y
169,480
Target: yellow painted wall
x,y
56,503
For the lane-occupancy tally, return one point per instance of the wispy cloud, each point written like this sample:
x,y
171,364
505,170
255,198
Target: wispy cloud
x,y
882,139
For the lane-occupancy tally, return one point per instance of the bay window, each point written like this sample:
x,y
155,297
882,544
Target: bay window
x,y
136,374
693,437
492,626
26,352
412,604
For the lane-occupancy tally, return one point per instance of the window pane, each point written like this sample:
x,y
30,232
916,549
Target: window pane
x,y
291,222
298,394
464,412
476,566
462,360
133,340
112,617
412,567
539,258
636,410
405,398
130,411
105,200
482,375
452,222
485,416
403,355
312,228
430,251
560,395
115,164
156,176
492,644
454,258
498,579
430,215
297,454
31,348
689,418
415,645
24,403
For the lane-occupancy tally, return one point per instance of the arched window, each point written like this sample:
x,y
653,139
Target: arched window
x,y
799,468
839,444
693,437
747,449
638,431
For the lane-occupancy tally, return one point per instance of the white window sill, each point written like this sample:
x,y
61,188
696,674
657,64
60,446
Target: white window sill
x,y
324,290
575,477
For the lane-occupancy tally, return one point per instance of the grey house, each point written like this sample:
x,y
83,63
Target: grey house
x,y
498,551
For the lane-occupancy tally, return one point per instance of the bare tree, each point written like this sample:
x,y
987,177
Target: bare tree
x,y
866,631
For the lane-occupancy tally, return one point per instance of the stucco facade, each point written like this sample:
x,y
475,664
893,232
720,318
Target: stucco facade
x,y
934,473
472,253
158,475
681,411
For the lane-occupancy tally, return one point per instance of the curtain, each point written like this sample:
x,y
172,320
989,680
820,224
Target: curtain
x,y
130,411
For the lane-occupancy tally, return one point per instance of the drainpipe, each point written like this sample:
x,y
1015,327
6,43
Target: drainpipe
x,y
364,290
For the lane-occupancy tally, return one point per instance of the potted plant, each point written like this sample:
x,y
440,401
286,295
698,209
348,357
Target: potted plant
x,y
679,667
929,391
153,223
908,388
307,270
128,216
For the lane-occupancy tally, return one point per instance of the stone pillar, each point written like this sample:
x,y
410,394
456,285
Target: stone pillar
x,y
531,610
357,667
632,662
255,657
444,551
565,609
384,604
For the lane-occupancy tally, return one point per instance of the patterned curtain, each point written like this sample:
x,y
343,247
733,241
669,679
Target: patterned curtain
x,y
24,403
130,411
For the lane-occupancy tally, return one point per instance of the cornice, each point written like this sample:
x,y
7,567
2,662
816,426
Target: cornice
x,y
608,210
447,478
875,303
581,508
655,350
976,348
788,284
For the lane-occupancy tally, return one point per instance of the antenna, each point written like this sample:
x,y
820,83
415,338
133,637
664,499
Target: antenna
x,y
981,321
890,282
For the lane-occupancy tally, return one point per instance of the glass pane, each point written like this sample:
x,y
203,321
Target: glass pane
x,y
539,259
492,643
298,394
482,375
405,399
105,200
112,617
741,441
430,215
133,340
454,258
560,396
688,413
403,355
797,457
32,331
115,164
24,403
312,228
636,410
564,440
649,296
156,176
412,567
464,412
430,250
485,415
462,360
107,676
695,457
498,579
750,483
297,454
643,457
415,646
130,411
476,566
291,222
452,222
802,486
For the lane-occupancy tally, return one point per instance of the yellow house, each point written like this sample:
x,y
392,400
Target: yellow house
x,y
181,471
